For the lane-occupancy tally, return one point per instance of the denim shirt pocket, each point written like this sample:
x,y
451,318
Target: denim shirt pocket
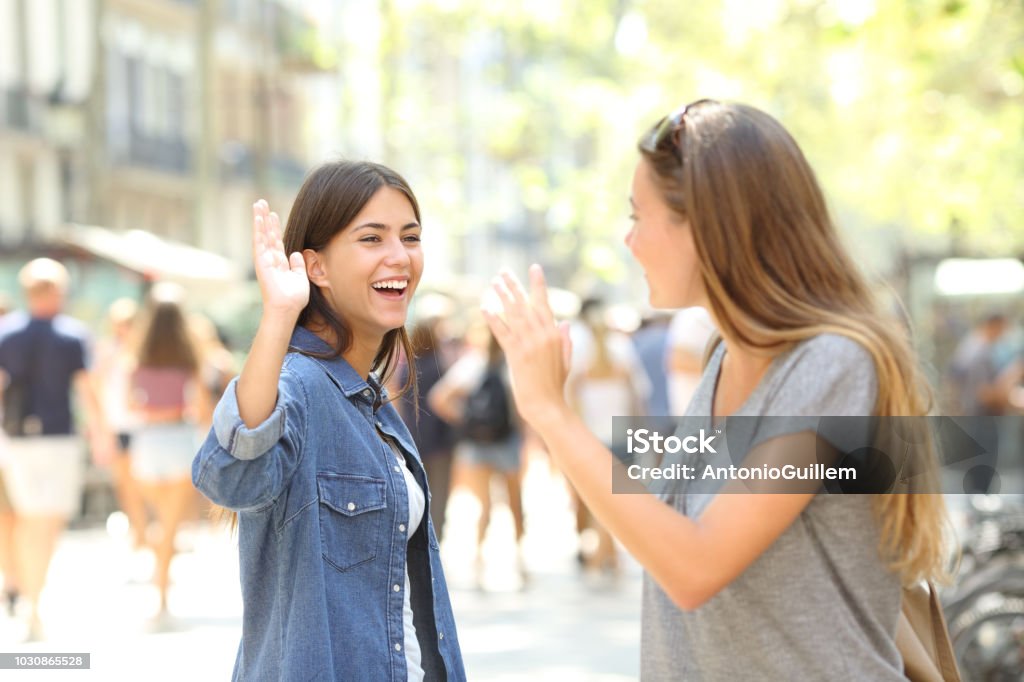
x,y
351,513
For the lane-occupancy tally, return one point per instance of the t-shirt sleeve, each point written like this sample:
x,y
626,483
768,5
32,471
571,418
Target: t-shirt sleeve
x,y
829,376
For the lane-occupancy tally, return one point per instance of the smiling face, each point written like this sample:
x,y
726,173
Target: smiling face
x,y
369,270
662,243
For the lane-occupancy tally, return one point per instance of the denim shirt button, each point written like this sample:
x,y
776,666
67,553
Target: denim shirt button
x,y
398,647
398,469
401,527
366,393
396,588
440,635
351,506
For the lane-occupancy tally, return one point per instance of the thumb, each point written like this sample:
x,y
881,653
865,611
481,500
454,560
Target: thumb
x,y
297,263
566,344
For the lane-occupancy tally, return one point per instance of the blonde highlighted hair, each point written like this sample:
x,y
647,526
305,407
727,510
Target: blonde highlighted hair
x,y
776,273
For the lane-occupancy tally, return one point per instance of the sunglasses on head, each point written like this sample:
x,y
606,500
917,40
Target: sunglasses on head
x,y
668,131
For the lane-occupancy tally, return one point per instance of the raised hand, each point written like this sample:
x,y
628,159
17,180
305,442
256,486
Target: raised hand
x,y
537,349
282,278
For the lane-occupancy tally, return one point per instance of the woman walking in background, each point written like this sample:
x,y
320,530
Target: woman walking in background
x,y
434,437
167,395
475,397
607,381
727,214
114,366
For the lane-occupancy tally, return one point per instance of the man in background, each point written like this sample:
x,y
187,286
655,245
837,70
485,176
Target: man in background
x,y
43,359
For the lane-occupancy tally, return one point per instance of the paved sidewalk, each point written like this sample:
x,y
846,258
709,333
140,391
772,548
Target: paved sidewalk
x,y
561,626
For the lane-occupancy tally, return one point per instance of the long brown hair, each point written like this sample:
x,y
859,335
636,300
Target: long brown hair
x,y
328,201
166,342
776,273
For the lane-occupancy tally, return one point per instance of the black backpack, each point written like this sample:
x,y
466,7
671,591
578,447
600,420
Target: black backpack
x,y
487,417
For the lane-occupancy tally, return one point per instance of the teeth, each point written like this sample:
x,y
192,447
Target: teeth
x,y
390,284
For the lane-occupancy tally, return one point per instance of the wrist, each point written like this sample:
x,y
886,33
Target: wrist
x,y
277,325
551,418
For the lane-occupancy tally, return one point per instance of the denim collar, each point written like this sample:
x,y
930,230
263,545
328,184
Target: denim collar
x,y
343,374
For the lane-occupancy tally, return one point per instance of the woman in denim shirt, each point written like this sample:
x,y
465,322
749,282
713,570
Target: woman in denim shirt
x,y
340,570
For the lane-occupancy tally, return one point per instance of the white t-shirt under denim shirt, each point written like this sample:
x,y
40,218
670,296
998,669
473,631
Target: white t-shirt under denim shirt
x,y
417,504
819,604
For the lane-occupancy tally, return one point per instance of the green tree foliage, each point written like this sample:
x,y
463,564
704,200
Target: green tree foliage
x,y
911,110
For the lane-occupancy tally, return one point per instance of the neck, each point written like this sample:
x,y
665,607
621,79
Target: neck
x,y
361,351
360,355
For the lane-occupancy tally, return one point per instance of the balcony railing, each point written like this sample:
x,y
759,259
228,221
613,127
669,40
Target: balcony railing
x,y
167,154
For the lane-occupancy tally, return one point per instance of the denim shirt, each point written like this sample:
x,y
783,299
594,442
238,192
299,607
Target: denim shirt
x,y
322,507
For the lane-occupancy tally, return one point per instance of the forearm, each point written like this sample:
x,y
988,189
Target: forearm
x,y
257,384
89,398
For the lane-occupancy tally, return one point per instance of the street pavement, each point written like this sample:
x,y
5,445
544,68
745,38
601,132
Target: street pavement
x,y
561,625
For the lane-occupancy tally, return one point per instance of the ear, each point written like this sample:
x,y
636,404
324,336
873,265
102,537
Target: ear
x,y
315,270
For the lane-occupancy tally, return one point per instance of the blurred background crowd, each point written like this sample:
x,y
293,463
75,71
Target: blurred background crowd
x,y
135,134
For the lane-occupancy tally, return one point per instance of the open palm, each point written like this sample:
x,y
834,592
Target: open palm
x,y
283,282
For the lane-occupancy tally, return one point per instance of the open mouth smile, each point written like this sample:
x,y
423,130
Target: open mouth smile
x,y
391,289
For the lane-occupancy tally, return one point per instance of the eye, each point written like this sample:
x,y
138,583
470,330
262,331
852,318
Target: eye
x,y
632,216
412,238
371,238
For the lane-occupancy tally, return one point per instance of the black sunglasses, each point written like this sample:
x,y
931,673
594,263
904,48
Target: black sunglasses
x,y
669,129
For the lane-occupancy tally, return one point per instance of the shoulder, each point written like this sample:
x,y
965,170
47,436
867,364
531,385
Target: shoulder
x,y
71,328
829,353
11,323
829,374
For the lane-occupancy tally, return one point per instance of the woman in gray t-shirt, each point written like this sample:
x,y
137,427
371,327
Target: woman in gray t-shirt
x,y
727,215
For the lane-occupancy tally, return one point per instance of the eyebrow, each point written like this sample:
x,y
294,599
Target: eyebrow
x,y
382,226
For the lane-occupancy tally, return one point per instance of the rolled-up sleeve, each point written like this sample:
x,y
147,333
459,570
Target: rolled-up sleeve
x,y
244,468
233,435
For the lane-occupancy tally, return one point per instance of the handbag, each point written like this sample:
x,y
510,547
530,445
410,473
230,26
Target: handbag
x,y
923,639
16,408
18,420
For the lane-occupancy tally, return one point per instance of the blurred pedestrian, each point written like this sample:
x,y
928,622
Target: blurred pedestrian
x,y
217,364
609,382
115,362
475,397
340,568
651,344
167,393
688,335
44,358
434,437
975,372
727,215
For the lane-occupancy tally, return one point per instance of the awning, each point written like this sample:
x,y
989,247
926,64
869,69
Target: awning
x,y
155,258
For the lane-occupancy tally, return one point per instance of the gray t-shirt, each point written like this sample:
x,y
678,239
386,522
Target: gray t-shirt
x,y
819,604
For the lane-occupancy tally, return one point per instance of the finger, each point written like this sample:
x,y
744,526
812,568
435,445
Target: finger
x,y
296,262
539,294
521,308
498,327
513,314
275,225
515,288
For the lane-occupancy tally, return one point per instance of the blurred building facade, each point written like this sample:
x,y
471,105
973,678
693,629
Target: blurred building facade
x,y
167,116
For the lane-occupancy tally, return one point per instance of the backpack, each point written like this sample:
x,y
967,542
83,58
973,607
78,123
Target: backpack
x,y
487,417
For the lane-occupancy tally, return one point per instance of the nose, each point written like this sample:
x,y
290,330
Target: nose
x,y
397,253
628,239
